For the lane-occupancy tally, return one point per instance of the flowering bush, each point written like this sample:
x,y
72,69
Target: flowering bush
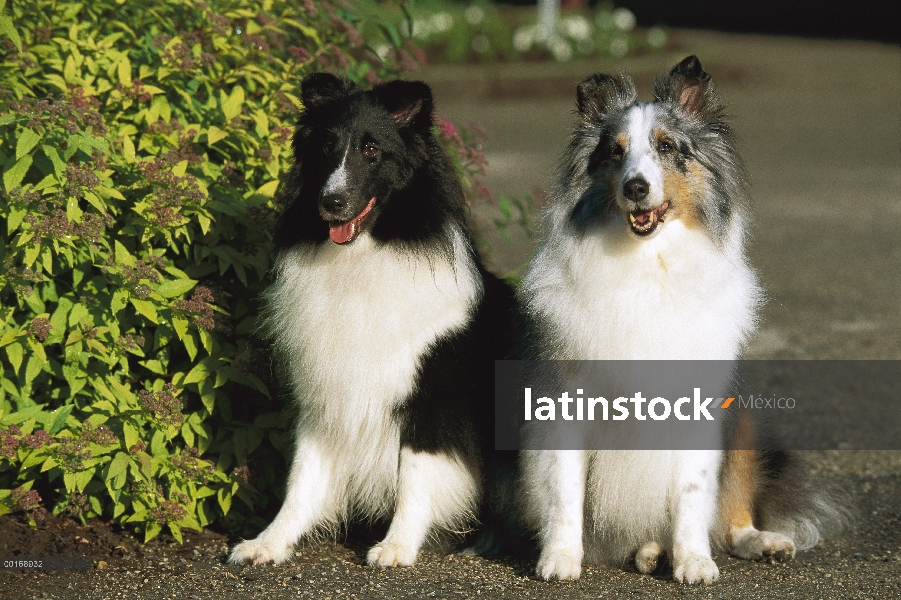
x,y
141,145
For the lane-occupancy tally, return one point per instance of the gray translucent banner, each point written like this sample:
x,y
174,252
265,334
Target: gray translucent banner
x,y
698,405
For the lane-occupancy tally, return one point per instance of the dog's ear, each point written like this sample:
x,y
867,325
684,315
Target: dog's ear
x,y
319,88
601,93
687,84
408,102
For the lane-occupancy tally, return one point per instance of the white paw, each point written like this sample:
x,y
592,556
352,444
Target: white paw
x,y
258,551
391,554
559,564
695,569
646,558
765,544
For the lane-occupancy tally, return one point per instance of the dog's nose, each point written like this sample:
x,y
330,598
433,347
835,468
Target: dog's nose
x,y
636,189
333,202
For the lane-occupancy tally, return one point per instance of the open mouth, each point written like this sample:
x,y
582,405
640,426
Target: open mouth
x,y
344,233
644,223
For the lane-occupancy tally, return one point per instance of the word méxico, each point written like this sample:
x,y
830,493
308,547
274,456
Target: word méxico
x,y
658,408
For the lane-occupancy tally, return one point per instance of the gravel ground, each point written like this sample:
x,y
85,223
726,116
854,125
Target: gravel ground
x,y
819,126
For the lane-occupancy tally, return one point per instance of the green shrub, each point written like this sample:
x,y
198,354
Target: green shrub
x,y
141,145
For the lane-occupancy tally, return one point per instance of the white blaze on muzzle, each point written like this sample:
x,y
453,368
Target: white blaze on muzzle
x,y
641,159
337,181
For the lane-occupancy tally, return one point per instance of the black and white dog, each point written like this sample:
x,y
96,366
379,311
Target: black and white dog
x,y
643,259
385,322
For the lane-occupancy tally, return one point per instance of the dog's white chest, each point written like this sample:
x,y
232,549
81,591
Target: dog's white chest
x,y
354,321
673,297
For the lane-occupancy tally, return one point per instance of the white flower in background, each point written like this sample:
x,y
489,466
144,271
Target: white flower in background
x,y
656,37
422,28
383,51
560,49
624,19
576,27
474,15
481,44
524,37
442,22
618,47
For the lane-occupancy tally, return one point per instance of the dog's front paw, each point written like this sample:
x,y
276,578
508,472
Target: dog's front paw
x,y
391,554
647,557
696,569
765,544
559,564
258,551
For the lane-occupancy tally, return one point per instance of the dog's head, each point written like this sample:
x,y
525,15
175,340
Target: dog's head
x,y
355,147
669,159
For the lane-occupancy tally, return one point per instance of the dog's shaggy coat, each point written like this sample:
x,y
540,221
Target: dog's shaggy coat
x,y
642,259
385,323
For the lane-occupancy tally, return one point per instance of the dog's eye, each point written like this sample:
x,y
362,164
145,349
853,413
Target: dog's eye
x,y
666,148
617,153
370,150
328,148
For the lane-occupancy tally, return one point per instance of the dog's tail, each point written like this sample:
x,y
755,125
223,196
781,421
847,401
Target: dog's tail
x,y
772,489
791,500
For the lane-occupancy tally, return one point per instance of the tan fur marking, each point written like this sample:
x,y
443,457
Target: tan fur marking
x,y
683,192
739,481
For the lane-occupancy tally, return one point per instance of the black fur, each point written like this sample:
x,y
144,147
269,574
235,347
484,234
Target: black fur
x,y
411,166
419,202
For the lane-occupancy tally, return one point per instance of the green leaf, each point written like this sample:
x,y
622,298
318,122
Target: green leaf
x,y
175,287
123,256
28,139
14,176
59,166
15,219
7,28
83,478
176,532
158,445
146,308
214,134
123,70
131,435
153,530
33,367
187,433
231,106
60,416
118,466
225,500
128,149
15,352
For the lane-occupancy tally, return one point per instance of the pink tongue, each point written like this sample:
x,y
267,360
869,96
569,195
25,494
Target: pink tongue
x,y
341,234
346,232
642,218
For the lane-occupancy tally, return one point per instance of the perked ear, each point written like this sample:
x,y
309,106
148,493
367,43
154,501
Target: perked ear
x,y
408,102
687,84
601,92
319,88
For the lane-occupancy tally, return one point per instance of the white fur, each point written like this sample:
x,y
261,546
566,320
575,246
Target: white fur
x,y
607,294
352,323
641,158
433,491
337,181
